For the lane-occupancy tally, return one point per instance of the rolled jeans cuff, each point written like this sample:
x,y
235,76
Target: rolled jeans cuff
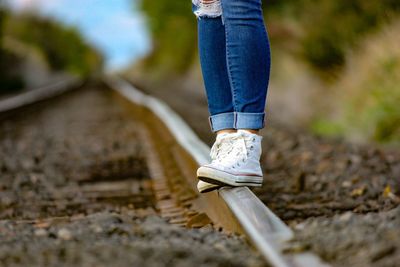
x,y
237,120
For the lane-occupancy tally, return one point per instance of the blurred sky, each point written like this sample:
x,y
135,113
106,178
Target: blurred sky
x,y
116,27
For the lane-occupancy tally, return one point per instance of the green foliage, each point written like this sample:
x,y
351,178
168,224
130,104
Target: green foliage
x,y
369,91
173,30
63,47
376,111
333,27
325,127
2,17
9,80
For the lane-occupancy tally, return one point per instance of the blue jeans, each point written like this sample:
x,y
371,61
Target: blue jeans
x,y
235,61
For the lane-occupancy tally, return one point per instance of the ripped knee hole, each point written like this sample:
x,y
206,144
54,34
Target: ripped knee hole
x,y
207,8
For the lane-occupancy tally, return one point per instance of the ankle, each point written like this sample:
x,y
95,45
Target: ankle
x,y
226,131
252,131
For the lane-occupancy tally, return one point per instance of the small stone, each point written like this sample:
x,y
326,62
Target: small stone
x,y
346,184
64,234
40,232
358,191
346,216
6,201
97,229
387,192
300,226
220,247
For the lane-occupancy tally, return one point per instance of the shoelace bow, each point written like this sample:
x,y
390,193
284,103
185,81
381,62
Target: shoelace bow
x,y
221,147
231,144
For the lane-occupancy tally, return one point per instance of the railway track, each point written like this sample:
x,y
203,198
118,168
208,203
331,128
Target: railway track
x,y
85,171
173,152
235,209
95,169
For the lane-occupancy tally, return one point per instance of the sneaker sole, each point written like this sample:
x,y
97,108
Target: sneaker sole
x,y
222,178
207,187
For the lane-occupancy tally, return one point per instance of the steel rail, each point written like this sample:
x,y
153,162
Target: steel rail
x,y
267,232
39,94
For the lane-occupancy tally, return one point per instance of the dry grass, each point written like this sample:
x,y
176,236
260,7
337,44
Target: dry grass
x,y
368,92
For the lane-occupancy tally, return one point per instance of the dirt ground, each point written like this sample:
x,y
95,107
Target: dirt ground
x,y
75,190
115,239
341,198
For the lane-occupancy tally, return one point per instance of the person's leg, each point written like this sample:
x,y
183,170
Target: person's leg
x,y
248,60
212,52
245,71
211,43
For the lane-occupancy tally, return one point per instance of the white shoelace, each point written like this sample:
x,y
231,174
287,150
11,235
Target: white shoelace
x,y
231,149
222,146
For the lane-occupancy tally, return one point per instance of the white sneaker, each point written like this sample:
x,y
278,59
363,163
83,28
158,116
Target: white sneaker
x,y
222,144
235,160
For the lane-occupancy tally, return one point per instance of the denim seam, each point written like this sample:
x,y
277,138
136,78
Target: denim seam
x,y
268,45
228,66
222,19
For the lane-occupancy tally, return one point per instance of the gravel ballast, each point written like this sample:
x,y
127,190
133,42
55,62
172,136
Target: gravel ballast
x,y
75,190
